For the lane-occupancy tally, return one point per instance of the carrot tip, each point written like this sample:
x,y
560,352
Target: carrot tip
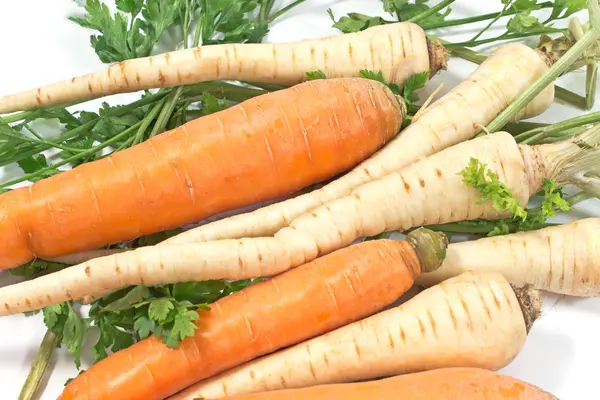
x,y
430,247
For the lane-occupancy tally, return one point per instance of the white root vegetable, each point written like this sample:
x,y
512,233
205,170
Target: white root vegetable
x,y
452,119
472,320
427,192
562,259
399,50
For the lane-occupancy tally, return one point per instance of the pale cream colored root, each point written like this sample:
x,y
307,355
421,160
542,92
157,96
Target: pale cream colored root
x,y
78,258
399,50
452,119
414,197
473,320
228,259
562,259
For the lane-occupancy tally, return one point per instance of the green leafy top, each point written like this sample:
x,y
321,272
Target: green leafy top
x,y
412,84
125,35
487,183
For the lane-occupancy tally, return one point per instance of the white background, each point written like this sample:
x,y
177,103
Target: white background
x,y
38,45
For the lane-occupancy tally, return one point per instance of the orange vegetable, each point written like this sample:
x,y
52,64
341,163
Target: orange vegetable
x,y
439,384
312,299
265,147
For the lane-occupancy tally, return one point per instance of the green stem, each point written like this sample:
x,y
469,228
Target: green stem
x,y
504,36
547,78
590,84
166,111
569,97
467,54
76,157
431,11
285,9
496,18
581,120
478,18
139,136
39,366
40,141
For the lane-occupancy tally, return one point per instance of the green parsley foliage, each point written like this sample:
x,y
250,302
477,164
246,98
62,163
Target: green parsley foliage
x,y
126,34
315,75
487,183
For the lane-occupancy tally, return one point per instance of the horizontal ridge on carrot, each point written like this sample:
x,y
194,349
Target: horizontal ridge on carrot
x,y
562,259
399,50
290,138
315,298
463,383
414,196
500,79
471,320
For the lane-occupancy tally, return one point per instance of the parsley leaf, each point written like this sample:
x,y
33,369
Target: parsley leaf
x,y
355,22
35,163
311,76
412,84
491,189
159,310
124,35
523,22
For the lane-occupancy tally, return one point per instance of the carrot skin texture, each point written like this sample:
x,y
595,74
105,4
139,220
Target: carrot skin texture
x,y
440,384
290,139
472,320
452,119
397,50
562,259
317,297
412,197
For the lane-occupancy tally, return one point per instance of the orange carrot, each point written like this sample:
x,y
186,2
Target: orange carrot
x,y
317,297
263,148
439,384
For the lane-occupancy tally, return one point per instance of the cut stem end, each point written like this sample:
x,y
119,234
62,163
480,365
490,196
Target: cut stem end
x,y
430,247
530,302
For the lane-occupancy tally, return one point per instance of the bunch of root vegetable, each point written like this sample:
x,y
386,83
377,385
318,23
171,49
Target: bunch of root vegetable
x,y
316,322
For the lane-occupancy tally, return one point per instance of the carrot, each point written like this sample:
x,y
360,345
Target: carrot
x,y
472,320
399,50
452,119
289,139
562,259
440,384
315,298
427,192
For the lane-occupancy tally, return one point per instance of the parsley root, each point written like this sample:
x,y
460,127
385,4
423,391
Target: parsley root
x,y
472,320
463,383
310,300
561,259
399,50
499,80
414,196
290,138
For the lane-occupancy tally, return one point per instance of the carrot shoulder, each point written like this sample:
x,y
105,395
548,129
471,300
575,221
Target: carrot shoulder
x,y
263,148
440,384
315,298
